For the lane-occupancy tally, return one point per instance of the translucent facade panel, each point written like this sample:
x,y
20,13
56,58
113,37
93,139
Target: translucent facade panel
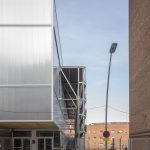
x,y
25,103
26,73
25,11
25,55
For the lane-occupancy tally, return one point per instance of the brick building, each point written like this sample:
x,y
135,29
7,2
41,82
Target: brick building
x,y
118,131
139,74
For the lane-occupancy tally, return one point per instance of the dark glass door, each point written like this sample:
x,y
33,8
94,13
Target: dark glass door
x,y
44,144
40,144
48,143
26,144
17,144
22,144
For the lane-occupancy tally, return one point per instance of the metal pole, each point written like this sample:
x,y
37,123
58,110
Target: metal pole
x,y
120,142
106,110
78,112
113,144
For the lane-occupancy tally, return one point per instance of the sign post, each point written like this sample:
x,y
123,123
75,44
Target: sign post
x,y
106,135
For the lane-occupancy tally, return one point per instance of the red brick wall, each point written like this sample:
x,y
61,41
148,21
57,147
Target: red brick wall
x,y
94,135
139,73
139,64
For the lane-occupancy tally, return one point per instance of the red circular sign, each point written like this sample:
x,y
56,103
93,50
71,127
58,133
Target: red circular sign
x,y
106,134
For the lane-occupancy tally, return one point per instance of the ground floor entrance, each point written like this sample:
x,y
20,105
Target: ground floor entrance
x,y
21,144
31,140
44,143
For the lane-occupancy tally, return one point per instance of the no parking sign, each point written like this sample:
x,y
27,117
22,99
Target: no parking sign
x,y
106,134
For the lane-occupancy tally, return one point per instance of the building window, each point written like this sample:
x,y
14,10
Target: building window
x,y
5,134
126,131
44,133
112,131
101,131
88,146
56,139
120,131
95,146
22,134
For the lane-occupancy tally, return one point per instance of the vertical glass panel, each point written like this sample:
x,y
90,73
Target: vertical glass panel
x,y
26,144
44,133
17,144
40,144
56,139
22,134
25,11
48,144
5,134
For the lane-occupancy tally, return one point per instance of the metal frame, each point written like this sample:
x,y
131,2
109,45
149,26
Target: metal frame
x,y
40,137
45,141
75,103
21,138
30,138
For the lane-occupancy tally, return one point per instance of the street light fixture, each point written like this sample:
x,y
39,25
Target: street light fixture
x,y
112,50
113,47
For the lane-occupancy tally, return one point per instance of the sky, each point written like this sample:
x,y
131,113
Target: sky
x,y
87,29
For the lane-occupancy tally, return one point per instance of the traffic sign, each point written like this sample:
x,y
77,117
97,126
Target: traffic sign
x,y
106,139
106,134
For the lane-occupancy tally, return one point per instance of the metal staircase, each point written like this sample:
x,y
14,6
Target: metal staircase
x,y
73,87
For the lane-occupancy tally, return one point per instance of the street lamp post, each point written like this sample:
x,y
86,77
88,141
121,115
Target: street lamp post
x,y
112,50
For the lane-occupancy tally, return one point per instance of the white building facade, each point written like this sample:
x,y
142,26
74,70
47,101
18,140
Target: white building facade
x,y
35,114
